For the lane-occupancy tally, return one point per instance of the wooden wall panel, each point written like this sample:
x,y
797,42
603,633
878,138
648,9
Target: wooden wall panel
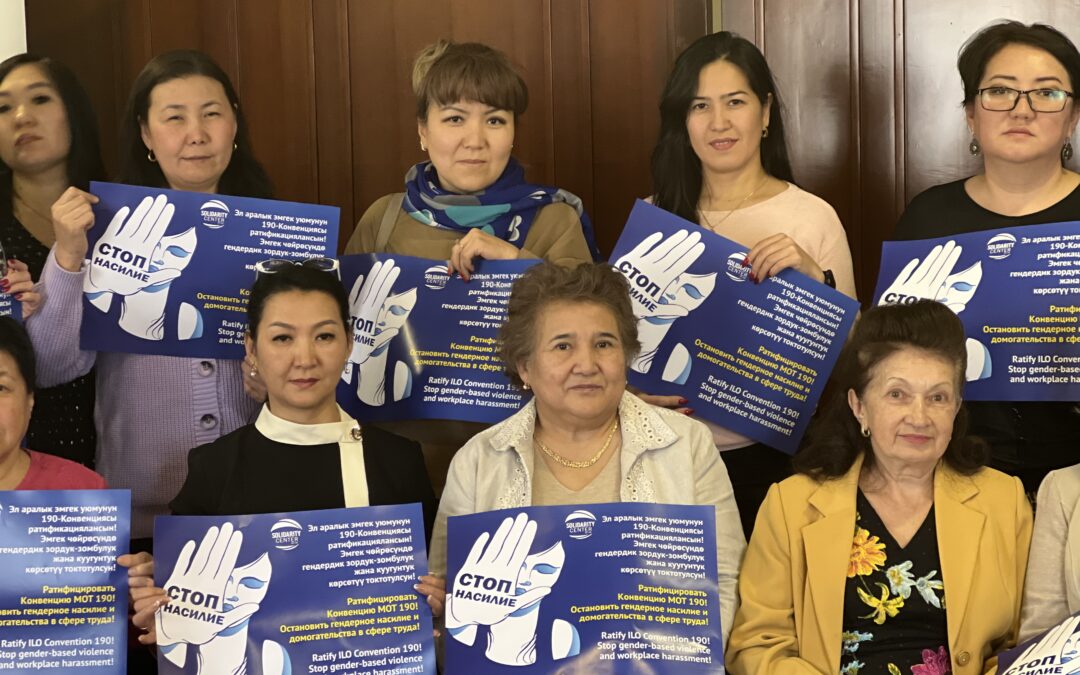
x,y
277,87
571,131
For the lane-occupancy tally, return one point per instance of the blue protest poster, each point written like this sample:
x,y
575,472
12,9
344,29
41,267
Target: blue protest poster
x,y
1054,652
63,598
598,588
9,306
425,344
753,358
169,271
308,592
1017,292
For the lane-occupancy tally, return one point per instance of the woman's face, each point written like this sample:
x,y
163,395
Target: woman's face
x,y
16,402
1021,134
909,406
726,119
469,143
190,127
34,131
577,369
300,352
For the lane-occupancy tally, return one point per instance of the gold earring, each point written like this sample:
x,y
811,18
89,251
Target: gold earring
x,y
151,156
254,370
423,148
765,132
866,432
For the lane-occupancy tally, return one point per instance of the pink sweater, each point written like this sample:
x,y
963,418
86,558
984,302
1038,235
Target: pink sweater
x,y
49,472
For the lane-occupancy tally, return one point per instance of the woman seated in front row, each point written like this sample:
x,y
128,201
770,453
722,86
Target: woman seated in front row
x,y
303,452
583,439
892,549
20,468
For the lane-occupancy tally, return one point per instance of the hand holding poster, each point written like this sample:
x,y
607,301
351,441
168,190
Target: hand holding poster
x,y
424,342
169,271
63,599
311,592
1016,296
594,588
753,358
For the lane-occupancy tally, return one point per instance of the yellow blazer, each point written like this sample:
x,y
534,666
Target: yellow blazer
x,y
795,571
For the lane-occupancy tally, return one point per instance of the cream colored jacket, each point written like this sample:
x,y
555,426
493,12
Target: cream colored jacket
x,y
666,458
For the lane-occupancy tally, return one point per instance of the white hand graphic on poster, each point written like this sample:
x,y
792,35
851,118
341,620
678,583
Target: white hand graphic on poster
x,y
135,260
212,600
378,317
932,278
1056,652
661,289
501,586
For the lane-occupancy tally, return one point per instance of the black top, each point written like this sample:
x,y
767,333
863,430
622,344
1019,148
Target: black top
x,y
63,419
894,602
1026,439
247,473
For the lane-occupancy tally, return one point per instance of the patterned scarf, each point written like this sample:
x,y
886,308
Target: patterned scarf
x,y
506,209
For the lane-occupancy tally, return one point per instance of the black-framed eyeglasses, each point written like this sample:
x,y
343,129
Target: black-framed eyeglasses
x,y
274,265
1004,99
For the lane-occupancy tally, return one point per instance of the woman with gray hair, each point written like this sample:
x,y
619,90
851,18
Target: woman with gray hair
x,y
583,439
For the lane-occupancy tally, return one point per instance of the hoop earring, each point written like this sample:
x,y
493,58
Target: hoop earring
x,y
973,147
1067,150
765,132
423,148
866,432
151,156
235,147
525,386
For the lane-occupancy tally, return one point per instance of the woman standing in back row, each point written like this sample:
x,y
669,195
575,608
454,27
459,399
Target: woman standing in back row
x,y
721,162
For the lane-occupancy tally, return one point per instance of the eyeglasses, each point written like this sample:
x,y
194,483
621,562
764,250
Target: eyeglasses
x,y
1004,99
274,265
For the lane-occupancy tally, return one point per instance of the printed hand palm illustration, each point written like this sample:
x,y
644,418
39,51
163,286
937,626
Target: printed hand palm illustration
x,y
1058,651
932,278
135,242
512,629
222,646
663,290
378,317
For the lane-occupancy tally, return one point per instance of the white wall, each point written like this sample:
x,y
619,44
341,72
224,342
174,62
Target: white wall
x,y
12,28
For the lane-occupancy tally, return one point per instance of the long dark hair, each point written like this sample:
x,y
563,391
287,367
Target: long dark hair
x,y
84,156
676,169
835,440
244,176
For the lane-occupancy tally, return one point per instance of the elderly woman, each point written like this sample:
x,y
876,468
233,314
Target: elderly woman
x,y
892,549
1019,83
1052,590
22,469
303,452
183,129
568,339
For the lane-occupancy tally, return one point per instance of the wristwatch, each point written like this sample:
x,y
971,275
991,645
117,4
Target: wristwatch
x,y
829,279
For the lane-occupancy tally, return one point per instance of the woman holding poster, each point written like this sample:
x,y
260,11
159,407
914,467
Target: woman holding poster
x,y
583,439
1018,100
303,453
184,129
470,200
721,162
48,142
893,549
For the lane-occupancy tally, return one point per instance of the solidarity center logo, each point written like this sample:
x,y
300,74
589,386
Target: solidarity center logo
x,y
1000,246
214,213
435,277
286,534
734,268
579,524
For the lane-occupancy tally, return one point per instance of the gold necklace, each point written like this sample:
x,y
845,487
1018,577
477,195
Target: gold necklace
x,y
742,201
579,464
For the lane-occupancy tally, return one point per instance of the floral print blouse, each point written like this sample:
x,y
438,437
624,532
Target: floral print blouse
x,y
894,601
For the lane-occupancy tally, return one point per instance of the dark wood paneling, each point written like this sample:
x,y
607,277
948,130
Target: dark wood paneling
x,y
571,130
277,88
333,127
206,25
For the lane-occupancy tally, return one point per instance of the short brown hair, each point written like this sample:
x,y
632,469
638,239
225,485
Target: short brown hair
x,y
547,283
447,72
835,440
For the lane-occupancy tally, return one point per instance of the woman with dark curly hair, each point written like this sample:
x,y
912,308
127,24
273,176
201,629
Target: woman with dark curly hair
x,y
891,489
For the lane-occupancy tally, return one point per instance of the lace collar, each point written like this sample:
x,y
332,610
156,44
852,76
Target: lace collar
x,y
291,433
